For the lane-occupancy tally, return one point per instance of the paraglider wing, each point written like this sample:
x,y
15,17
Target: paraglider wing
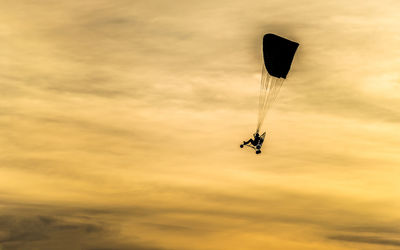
x,y
278,54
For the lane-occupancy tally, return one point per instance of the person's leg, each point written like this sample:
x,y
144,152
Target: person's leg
x,y
249,141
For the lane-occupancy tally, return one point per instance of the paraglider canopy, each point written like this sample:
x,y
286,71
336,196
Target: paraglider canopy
x,y
278,54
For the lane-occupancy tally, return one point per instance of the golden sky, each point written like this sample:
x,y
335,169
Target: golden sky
x,y
120,125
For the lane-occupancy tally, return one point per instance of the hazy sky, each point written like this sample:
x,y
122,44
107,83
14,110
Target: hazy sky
x,y
120,125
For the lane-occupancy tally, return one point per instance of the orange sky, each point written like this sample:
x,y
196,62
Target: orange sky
x,y
120,125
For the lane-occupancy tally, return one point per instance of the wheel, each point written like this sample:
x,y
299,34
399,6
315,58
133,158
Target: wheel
x,y
258,151
258,147
241,145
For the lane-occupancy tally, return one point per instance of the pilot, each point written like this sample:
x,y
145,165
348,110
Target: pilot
x,y
254,142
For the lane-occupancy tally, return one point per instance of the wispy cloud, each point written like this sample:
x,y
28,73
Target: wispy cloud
x,y
366,239
120,125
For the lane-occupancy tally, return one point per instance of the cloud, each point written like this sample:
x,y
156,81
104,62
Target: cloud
x,y
130,247
366,239
21,229
174,228
393,229
121,120
65,228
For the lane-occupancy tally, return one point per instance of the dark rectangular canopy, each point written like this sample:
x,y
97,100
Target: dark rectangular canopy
x,y
278,54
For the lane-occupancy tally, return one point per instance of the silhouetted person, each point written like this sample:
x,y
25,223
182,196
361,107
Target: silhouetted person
x,y
254,142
